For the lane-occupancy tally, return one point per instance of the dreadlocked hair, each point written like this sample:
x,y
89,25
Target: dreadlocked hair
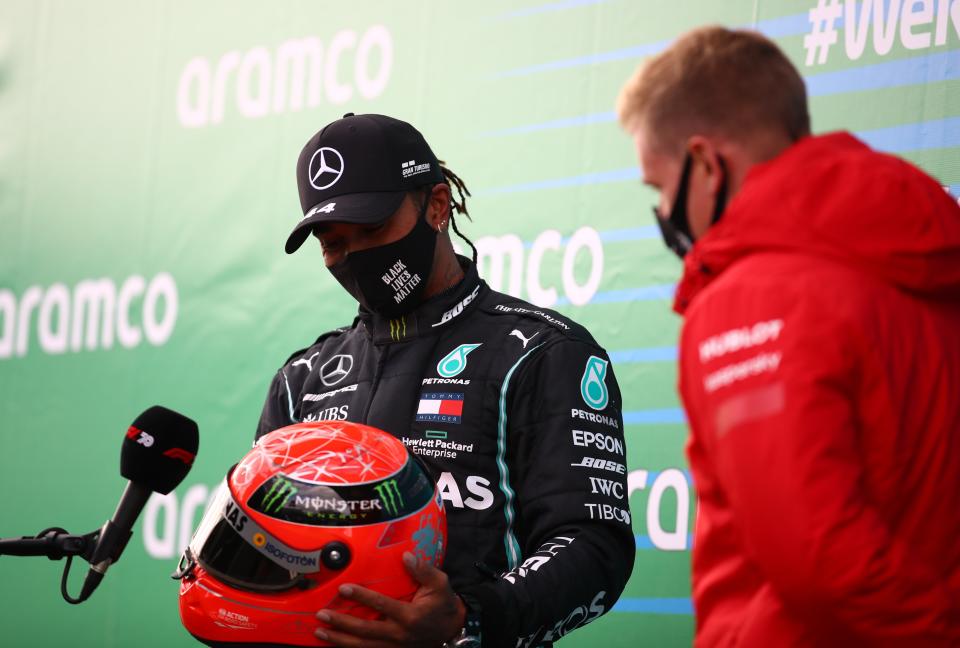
x,y
458,206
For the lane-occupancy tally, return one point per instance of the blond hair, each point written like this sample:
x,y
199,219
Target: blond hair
x,y
714,80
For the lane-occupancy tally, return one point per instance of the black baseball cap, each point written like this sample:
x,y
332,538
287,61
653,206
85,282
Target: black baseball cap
x,y
357,170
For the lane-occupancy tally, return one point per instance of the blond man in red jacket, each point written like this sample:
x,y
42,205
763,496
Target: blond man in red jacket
x,y
819,360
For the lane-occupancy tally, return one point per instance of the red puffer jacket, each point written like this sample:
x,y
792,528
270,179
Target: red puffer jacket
x,y
820,371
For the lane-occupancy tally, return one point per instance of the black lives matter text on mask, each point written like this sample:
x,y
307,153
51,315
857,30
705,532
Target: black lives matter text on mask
x,y
400,280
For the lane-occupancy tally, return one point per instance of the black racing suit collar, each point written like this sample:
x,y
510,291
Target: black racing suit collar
x,y
432,315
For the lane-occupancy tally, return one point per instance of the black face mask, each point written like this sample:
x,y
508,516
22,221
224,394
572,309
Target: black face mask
x,y
390,279
675,228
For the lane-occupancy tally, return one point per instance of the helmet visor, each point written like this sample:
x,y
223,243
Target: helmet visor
x,y
237,551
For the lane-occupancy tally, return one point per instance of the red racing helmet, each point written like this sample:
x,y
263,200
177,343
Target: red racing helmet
x,y
313,505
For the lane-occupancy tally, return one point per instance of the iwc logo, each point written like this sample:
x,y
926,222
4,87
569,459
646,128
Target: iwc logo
x,y
592,385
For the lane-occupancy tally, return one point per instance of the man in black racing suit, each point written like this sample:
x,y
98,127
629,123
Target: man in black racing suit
x,y
515,409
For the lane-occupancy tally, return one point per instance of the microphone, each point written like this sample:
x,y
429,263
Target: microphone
x,y
157,453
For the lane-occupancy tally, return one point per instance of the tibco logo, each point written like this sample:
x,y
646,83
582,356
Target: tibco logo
x,y
298,74
88,317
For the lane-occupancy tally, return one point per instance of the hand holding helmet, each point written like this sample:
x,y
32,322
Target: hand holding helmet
x,y
312,507
434,614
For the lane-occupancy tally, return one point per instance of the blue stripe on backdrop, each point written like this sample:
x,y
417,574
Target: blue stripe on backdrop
x,y
597,177
634,52
918,136
545,8
785,26
791,25
936,133
563,122
925,69
643,542
774,28
648,354
669,415
939,133
627,234
942,66
642,293
889,74
654,605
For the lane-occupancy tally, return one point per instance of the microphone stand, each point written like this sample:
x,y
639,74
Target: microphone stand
x,y
54,543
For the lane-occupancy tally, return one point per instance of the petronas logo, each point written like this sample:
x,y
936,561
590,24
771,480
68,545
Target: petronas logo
x,y
592,385
455,361
389,494
277,497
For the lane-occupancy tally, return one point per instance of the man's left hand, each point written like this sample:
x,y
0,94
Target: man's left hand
x,y
434,616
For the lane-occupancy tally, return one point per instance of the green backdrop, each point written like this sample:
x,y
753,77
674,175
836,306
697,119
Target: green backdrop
x,y
147,154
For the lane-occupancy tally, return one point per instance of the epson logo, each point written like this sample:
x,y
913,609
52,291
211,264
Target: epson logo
x,y
296,74
586,438
90,316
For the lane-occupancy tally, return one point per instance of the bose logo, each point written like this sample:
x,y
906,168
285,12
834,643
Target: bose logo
x,y
601,464
456,310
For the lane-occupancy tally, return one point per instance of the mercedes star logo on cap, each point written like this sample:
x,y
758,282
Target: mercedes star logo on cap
x,y
327,171
336,369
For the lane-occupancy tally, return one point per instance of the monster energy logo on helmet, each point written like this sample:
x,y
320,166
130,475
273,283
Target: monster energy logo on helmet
x,y
389,494
277,497
344,504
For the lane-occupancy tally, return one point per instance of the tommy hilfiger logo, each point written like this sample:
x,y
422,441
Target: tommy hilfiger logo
x,y
440,407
